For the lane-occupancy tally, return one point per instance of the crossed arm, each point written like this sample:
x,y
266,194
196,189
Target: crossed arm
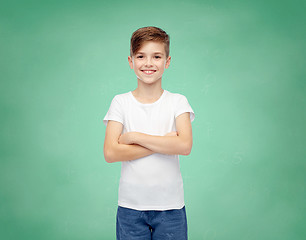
x,y
134,145
160,144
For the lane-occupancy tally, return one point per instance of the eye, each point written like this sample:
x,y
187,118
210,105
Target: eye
x,y
157,57
139,56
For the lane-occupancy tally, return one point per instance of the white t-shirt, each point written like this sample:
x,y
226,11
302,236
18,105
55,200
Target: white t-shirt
x,y
153,182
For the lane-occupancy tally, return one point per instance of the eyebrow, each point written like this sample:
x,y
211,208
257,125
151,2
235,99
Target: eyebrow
x,y
153,53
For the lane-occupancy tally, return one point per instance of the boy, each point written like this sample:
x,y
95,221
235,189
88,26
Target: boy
x,y
147,129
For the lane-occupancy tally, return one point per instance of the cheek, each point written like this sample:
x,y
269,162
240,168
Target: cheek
x,y
137,64
163,65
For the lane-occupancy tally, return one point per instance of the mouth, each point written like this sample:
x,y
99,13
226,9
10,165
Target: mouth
x,y
148,72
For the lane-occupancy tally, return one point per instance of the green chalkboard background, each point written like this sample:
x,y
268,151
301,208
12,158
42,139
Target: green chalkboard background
x,y
241,64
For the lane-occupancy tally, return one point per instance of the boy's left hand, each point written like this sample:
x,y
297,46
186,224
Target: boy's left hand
x,y
126,138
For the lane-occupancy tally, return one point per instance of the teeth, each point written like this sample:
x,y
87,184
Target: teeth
x,y
149,71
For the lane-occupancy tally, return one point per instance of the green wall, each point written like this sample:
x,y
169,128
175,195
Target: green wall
x,y
241,64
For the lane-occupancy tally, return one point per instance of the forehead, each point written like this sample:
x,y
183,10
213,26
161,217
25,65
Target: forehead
x,y
152,47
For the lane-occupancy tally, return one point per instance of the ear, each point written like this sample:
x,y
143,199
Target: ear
x,y
130,62
168,62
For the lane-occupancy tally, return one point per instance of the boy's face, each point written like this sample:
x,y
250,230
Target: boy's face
x,y
150,62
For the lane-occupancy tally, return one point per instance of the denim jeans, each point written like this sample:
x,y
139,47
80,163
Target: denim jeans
x,y
146,225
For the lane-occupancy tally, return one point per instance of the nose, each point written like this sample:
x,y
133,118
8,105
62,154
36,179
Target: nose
x,y
148,62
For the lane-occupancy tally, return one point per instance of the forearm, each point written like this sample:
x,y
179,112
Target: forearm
x,y
171,145
124,152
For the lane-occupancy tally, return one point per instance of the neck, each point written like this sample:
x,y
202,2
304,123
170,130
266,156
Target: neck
x,y
148,91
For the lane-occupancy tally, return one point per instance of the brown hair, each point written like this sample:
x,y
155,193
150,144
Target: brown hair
x,y
150,33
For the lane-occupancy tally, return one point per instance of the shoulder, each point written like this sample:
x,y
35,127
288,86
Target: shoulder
x,y
121,97
176,97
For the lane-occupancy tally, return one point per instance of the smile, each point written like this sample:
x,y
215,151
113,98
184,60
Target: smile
x,y
148,72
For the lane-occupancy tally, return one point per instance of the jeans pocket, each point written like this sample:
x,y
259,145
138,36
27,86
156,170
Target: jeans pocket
x,y
128,213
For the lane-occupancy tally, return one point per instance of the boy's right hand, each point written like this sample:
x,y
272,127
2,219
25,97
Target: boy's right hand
x,y
172,134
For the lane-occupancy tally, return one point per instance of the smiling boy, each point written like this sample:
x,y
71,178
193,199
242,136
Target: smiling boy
x,y
147,129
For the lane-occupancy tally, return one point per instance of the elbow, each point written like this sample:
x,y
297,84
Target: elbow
x,y
187,149
186,152
111,152
108,160
108,156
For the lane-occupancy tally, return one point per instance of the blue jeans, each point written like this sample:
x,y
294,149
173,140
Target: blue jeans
x,y
146,225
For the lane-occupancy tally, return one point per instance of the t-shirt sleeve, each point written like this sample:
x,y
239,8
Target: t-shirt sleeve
x,y
182,105
114,112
